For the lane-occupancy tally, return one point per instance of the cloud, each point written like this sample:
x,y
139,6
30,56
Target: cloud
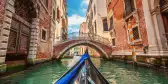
x,y
77,17
75,20
72,29
84,6
84,10
85,2
72,10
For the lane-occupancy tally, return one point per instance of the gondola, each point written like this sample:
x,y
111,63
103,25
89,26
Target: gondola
x,y
83,72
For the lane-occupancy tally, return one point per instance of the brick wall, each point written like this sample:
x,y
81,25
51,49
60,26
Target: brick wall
x,y
44,49
122,43
142,24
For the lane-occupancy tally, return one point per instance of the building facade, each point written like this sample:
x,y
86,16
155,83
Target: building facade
x,y
27,30
83,29
61,21
96,18
93,52
138,23
75,51
156,22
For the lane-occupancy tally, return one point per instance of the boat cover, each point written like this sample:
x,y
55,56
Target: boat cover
x,y
83,72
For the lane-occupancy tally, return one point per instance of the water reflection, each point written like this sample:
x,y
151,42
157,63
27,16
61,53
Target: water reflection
x,y
127,74
115,72
96,62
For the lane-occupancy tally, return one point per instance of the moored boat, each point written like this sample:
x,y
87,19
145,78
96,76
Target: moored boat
x,y
83,72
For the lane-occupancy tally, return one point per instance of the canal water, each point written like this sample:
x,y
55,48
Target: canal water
x,y
115,72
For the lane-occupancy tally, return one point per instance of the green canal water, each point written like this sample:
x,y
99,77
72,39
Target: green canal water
x,y
116,72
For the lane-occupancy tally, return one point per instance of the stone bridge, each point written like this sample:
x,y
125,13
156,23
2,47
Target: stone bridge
x,y
100,44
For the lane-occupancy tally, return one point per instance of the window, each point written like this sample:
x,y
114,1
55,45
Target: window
x,y
111,23
129,7
43,34
135,33
95,27
94,10
53,14
105,26
58,13
163,3
113,42
45,3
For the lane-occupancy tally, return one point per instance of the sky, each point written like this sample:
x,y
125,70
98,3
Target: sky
x,y
76,14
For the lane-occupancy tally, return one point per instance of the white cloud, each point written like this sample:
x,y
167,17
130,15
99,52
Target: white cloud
x,y
84,10
73,29
75,20
84,5
85,2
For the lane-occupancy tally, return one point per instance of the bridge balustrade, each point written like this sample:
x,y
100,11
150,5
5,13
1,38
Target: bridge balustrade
x,y
84,37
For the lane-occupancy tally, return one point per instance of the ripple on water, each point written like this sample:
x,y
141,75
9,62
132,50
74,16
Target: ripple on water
x,y
115,72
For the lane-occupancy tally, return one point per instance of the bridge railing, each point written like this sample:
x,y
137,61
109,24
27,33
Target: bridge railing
x,y
85,37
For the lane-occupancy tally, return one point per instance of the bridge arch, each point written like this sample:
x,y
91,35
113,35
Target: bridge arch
x,y
100,44
78,43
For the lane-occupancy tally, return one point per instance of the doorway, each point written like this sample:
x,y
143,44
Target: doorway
x,y
18,41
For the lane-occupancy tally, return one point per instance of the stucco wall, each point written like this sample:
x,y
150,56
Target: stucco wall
x,y
101,13
59,24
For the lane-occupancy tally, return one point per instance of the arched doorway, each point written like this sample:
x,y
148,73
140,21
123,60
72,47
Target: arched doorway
x,y
19,37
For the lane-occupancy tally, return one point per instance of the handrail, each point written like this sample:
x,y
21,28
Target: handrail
x,y
85,37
